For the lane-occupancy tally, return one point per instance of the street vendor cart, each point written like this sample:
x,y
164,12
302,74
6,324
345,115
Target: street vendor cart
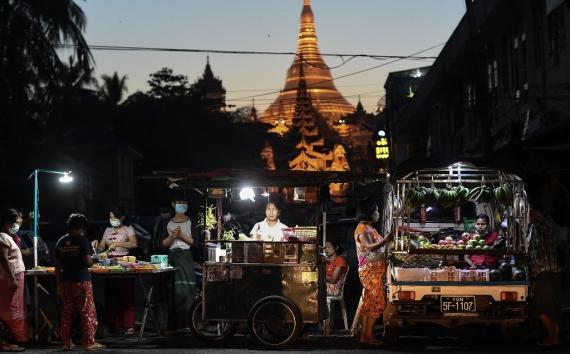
x,y
276,288
427,279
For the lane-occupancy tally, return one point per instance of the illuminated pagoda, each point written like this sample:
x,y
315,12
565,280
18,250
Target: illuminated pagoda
x,y
324,95
313,154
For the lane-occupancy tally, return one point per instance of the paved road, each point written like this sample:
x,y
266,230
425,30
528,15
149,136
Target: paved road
x,y
480,342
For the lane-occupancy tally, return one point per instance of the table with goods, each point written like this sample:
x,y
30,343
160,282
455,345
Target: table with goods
x,y
118,267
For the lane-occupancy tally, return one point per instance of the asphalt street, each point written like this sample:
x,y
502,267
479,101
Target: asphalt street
x,y
435,341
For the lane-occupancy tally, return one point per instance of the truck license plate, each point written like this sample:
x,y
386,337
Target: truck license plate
x,y
458,304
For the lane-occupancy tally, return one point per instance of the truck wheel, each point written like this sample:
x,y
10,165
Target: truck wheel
x,y
209,331
275,322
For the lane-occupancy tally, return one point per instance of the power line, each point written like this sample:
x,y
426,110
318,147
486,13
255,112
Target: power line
x,y
244,52
342,76
396,58
362,95
272,89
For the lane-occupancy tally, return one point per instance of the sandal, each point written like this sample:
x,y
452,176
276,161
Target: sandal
x,y
95,346
67,348
9,347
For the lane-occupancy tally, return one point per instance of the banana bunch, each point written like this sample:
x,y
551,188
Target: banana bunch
x,y
431,196
447,197
414,197
462,195
482,194
503,194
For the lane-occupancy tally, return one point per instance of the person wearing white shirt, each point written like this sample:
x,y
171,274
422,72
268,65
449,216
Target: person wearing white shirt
x,y
179,242
270,229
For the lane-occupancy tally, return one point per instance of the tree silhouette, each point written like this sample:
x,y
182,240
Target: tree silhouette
x,y
164,84
30,33
113,88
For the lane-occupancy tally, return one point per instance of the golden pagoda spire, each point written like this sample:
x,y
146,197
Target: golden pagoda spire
x,y
319,81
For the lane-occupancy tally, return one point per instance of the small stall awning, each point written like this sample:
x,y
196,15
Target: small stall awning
x,y
233,178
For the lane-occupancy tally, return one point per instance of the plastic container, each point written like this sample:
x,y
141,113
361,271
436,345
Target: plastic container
x,y
160,259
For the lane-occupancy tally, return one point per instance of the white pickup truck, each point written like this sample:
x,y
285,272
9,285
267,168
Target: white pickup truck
x,y
429,282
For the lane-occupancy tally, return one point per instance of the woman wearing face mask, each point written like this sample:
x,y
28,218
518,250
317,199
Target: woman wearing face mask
x,y
119,239
12,304
178,242
483,229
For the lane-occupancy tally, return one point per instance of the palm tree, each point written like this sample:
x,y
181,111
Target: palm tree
x,y
30,33
113,89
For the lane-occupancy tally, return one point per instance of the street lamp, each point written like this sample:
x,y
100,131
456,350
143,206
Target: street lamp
x,y
65,178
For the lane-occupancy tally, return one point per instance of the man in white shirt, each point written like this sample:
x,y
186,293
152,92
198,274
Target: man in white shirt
x,y
270,229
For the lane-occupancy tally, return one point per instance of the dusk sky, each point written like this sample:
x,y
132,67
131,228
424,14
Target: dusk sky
x,y
379,27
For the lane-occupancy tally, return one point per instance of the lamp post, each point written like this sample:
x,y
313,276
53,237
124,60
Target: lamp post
x,y
65,178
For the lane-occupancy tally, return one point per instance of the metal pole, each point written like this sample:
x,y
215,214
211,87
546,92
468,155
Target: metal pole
x,y
36,310
36,196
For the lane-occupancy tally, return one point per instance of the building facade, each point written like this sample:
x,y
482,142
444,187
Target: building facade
x,y
499,88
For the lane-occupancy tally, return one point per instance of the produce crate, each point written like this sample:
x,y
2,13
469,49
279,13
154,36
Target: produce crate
x,y
482,275
447,274
411,274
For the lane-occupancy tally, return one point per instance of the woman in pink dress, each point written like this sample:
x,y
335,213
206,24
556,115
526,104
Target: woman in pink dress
x,y
12,304
119,240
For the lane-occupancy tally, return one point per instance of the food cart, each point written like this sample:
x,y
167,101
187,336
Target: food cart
x,y
276,288
427,281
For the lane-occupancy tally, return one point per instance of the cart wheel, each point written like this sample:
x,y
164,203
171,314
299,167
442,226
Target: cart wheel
x,y
209,331
275,322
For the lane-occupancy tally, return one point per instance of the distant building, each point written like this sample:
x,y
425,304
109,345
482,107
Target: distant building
x,y
323,93
400,87
357,131
499,87
210,89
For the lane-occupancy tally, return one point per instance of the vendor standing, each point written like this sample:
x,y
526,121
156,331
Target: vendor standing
x,y
179,242
119,239
270,229
73,259
13,312
483,229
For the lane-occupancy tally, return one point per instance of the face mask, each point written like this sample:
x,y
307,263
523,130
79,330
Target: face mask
x,y
165,215
114,222
181,208
14,229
